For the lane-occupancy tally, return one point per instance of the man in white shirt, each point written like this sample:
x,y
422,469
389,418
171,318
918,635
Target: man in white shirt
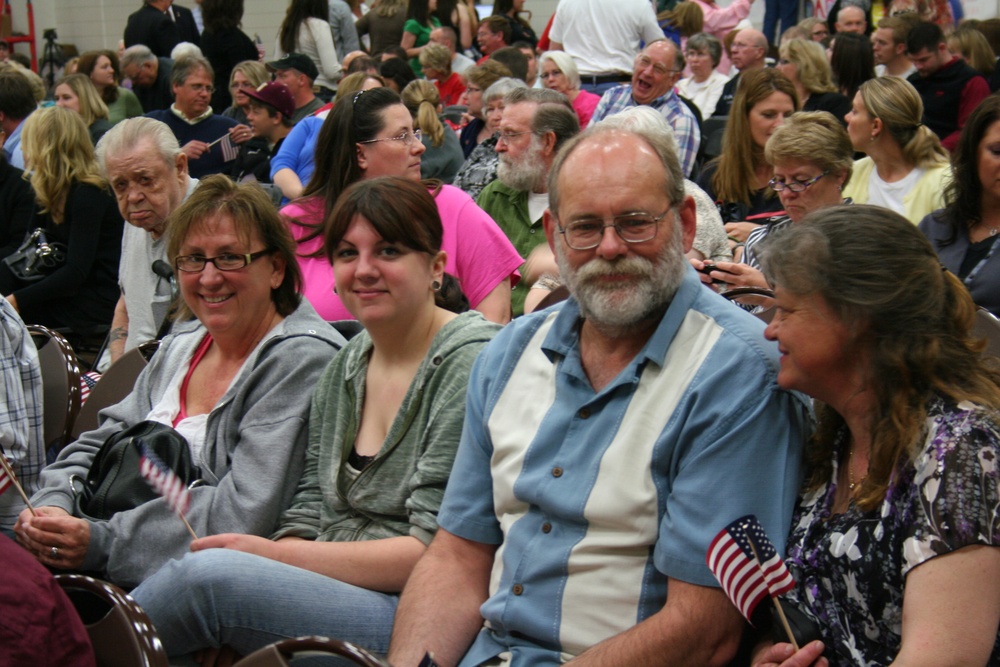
x,y
603,38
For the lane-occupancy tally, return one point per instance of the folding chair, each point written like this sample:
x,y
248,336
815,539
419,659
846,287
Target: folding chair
x,y
60,385
988,326
282,653
760,299
120,631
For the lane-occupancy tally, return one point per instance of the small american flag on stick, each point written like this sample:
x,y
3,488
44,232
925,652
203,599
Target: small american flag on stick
x,y
747,565
229,150
166,483
8,479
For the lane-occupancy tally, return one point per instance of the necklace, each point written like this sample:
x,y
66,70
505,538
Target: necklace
x,y
850,470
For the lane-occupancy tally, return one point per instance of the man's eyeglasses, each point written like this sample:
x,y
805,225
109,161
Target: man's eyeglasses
x,y
587,233
405,136
201,88
507,136
794,186
229,261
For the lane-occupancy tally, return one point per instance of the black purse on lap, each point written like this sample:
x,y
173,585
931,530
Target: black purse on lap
x,y
114,484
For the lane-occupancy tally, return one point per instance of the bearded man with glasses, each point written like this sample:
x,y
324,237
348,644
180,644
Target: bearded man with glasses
x,y
606,443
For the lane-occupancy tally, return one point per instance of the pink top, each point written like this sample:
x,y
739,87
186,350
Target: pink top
x,y
584,106
719,21
479,254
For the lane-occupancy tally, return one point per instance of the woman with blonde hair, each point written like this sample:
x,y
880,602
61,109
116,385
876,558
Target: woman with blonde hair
x,y
558,72
443,157
105,73
812,159
970,45
738,179
77,93
246,75
81,214
817,29
906,169
805,64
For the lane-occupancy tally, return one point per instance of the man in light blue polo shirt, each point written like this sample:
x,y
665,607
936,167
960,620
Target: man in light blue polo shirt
x,y
606,442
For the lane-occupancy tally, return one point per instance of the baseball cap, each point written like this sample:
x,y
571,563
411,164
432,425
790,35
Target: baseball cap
x,y
275,94
298,61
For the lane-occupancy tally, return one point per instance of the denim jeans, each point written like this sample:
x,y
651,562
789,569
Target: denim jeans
x,y
218,596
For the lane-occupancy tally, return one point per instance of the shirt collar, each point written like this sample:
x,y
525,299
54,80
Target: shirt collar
x,y
190,121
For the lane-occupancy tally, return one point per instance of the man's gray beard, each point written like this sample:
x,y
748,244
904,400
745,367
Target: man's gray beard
x,y
620,307
524,175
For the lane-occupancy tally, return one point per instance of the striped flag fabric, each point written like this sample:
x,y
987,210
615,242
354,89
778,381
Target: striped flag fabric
x,y
229,149
163,480
6,478
747,565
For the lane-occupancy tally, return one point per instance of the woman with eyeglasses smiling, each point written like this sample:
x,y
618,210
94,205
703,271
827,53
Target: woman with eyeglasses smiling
x,y
372,135
385,425
233,378
812,158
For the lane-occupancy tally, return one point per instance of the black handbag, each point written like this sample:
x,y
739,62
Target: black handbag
x,y
114,484
36,257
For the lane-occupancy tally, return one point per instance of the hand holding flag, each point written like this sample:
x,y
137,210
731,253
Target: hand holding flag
x,y
748,567
8,478
165,482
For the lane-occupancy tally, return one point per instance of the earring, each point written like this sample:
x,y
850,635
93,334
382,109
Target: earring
x,y
874,137
436,285
334,289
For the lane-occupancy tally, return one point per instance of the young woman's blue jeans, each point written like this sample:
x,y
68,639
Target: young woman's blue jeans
x,y
218,596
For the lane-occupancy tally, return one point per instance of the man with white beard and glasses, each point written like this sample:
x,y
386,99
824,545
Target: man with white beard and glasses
x,y
606,442
536,123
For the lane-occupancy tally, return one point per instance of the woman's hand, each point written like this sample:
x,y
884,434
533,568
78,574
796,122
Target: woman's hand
x,y
56,538
740,230
251,544
785,655
699,266
738,275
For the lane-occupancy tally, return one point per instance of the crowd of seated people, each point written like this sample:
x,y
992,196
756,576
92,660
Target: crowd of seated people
x,y
463,484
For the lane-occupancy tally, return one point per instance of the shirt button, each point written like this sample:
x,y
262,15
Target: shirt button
x,y
517,589
546,528
532,231
584,413
557,472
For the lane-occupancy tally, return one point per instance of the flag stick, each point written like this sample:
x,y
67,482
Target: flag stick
x,y
774,598
218,140
191,530
17,484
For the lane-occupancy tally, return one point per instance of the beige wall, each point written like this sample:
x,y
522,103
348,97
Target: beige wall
x,y
93,24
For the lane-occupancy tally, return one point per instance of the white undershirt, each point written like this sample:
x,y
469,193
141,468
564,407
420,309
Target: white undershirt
x,y
890,195
537,203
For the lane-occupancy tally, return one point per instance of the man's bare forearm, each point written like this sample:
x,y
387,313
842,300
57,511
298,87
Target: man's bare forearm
x,y
119,331
698,626
439,610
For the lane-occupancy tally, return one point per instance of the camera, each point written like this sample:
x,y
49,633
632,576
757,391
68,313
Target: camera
x,y
50,34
